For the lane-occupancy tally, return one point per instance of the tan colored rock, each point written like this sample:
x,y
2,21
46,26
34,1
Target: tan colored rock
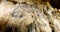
x,y
26,17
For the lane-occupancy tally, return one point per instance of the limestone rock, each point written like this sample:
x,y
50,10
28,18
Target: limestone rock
x,y
25,17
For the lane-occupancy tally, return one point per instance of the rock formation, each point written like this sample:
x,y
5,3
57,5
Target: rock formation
x,y
29,16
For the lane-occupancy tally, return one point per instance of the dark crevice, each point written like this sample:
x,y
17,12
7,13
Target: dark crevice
x,y
8,29
52,30
23,3
11,29
51,26
55,3
30,27
14,2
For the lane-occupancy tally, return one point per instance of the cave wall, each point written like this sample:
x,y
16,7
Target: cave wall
x,y
29,16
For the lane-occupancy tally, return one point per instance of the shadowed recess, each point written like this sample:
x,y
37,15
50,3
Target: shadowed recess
x,y
55,3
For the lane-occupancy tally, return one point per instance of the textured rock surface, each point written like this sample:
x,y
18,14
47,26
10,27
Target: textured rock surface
x,y
23,17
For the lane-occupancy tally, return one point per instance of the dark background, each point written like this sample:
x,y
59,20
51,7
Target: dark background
x,y
55,3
